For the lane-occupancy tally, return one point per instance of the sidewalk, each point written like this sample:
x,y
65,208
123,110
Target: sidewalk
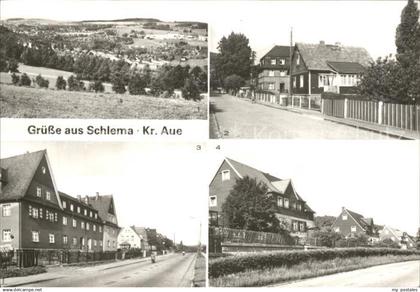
x,y
56,272
381,129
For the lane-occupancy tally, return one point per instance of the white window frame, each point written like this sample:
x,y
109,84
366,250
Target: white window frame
x,y
74,223
71,207
35,236
294,81
35,213
213,201
100,228
225,174
353,228
282,61
302,226
65,221
78,209
344,217
273,62
74,241
94,227
337,229
271,86
38,192
6,210
82,225
286,203
64,204
43,170
65,239
280,201
271,73
85,212
48,195
301,81
295,226
87,226
283,73
297,59
6,235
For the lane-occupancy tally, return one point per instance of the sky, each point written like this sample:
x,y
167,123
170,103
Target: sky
x,y
154,185
368,24
378,179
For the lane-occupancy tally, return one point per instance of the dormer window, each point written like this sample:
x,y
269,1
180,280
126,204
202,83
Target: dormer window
x,y
344,217
273,62
225,175
280,202
282,61
38,192
286,203
48,196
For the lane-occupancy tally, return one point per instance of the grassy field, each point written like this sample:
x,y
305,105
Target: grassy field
x,y
28,102
304,270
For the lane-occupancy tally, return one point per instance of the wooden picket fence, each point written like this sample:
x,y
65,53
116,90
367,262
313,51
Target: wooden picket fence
x,y
401,116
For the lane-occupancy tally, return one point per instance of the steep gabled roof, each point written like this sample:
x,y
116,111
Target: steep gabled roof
x,y
278,51
140,231
317,56
273,183
102,204
363,222
20,171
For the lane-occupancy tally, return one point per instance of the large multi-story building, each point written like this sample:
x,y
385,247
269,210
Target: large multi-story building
x,y
34,214
291,210
274,70
106,208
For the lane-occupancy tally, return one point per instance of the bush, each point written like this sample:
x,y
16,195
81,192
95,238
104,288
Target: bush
x,y
25,80
15,79
43,83
61,83
332,95
190,90
241,263
96,86
133,253
137,84
75,84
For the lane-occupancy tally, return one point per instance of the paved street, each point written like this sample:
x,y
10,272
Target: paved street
x,y
172,270
406,274
238,118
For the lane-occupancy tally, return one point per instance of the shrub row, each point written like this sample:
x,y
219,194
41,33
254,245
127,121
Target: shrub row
x,y
236,264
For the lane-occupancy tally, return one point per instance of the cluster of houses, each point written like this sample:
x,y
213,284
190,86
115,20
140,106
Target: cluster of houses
x,y
307,70
36,215
292,210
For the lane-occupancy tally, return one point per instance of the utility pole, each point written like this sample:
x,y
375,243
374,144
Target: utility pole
x,y
290,66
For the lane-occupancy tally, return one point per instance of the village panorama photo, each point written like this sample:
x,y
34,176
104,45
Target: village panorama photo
x,y
116,60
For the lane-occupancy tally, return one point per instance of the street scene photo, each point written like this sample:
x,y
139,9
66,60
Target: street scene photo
x,y
311,70
100,215
346,217
142,64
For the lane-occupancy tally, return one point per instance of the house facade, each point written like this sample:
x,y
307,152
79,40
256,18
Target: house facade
x,y
349,223
318,68
292,211
274,68
35,215
106,209
397,236
129,238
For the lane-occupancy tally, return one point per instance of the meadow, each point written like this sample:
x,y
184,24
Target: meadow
x,y
30,102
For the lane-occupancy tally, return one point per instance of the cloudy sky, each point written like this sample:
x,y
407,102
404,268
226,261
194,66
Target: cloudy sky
x,y
157,185
378,179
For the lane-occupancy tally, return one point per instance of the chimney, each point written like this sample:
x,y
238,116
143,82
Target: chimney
x,y
87,199
343,208
97,196
79,197
322,43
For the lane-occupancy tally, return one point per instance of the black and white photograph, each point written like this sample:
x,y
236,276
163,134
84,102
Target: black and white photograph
x,y
315,70
76,214
345,217
102,60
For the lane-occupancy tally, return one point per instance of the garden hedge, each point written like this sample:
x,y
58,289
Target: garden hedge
x,y
256,261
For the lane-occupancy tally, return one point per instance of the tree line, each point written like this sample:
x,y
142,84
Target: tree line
x,y
98,69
